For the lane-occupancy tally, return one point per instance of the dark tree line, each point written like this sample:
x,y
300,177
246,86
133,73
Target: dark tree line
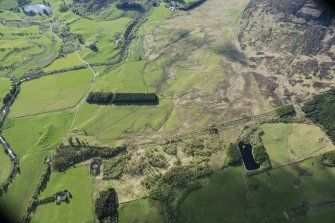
x,y
321,111
67,156
99,98
135,6
122,98
12,93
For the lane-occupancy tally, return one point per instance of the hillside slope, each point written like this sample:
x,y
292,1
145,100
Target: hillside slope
x,y
290,47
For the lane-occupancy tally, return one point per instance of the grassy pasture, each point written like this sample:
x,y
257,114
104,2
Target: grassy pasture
x,y
293,142
275,142
22,188
5,165
6,4
317,182
80,208
11,40
51,93
32,139
141,211
70,60
281,190
275,193
223,199
308,140
42,132
101,33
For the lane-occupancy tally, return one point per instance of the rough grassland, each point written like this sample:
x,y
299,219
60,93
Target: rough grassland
x,y
32,139
109,122
308,140
275,142
80,208
51,93
141,211
224,199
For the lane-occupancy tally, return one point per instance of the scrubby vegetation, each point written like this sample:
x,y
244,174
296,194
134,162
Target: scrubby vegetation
x,y
328,158
233,155
175,184
259,153
113,168
321,111
286,111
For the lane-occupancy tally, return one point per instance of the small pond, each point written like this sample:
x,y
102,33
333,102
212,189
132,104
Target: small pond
x,y
248,158
38,8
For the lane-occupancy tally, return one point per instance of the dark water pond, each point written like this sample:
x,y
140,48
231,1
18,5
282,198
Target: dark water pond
x,y
248,158
38,8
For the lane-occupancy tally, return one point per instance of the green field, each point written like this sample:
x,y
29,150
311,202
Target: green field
x,y
5,166
32,139
278,192
69,61
275,192
141,211
52,93
195,64
316,183
223,199
101,33
292,142
80,208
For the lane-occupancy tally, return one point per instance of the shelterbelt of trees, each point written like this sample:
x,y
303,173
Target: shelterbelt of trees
x,y
321,111
122,98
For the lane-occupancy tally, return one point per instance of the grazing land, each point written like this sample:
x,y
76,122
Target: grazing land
x,y
141,211
216,77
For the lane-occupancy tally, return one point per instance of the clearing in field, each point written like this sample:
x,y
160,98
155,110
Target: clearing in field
x,y
293,142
